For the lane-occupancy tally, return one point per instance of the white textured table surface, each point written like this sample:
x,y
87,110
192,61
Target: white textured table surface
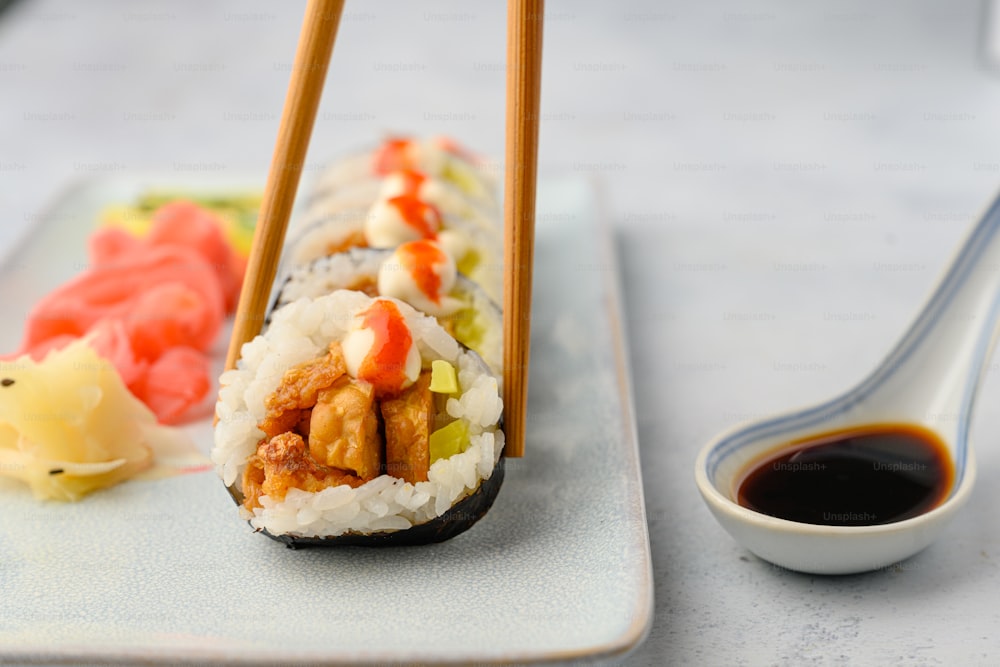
x,y
786,182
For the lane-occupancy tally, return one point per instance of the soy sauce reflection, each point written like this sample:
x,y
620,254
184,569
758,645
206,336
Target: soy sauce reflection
x,y
865,476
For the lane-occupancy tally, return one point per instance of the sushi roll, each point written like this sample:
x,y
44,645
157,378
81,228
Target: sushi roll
x,y
420,273
359,420
476,249
437,157
444,195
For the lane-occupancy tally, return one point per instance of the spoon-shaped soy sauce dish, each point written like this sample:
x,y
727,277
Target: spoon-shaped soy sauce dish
x,y
830,468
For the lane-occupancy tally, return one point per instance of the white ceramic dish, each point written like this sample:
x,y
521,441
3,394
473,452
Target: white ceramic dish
x,y
165,572
930,379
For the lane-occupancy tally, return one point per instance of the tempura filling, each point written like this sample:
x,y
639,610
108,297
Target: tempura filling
x,y
325,428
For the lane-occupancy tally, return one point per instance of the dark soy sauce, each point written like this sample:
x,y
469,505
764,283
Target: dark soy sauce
x,y
864,476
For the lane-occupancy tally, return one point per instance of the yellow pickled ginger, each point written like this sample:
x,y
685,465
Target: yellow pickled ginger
x,y
69,426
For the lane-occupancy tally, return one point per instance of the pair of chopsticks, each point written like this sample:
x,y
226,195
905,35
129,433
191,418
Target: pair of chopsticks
x,y
312,58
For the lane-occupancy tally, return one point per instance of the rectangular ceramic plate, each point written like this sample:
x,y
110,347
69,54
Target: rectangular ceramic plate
x,y
164,571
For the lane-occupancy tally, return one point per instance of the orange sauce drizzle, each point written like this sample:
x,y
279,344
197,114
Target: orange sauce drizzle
x,y
392,155
421,259
421,216
385,364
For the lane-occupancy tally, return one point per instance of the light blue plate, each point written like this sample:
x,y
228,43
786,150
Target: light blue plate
x,y
164,571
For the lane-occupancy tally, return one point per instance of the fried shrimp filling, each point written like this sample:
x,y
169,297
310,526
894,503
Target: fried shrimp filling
x,y
324,428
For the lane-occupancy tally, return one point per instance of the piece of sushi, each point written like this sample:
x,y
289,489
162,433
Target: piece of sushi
x,y
437,157
477,250
417,272
448,198
359,420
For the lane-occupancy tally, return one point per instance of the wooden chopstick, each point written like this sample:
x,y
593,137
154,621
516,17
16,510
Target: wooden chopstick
x,y
319,30
524,78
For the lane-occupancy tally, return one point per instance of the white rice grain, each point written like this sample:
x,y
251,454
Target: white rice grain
x,y
333,497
